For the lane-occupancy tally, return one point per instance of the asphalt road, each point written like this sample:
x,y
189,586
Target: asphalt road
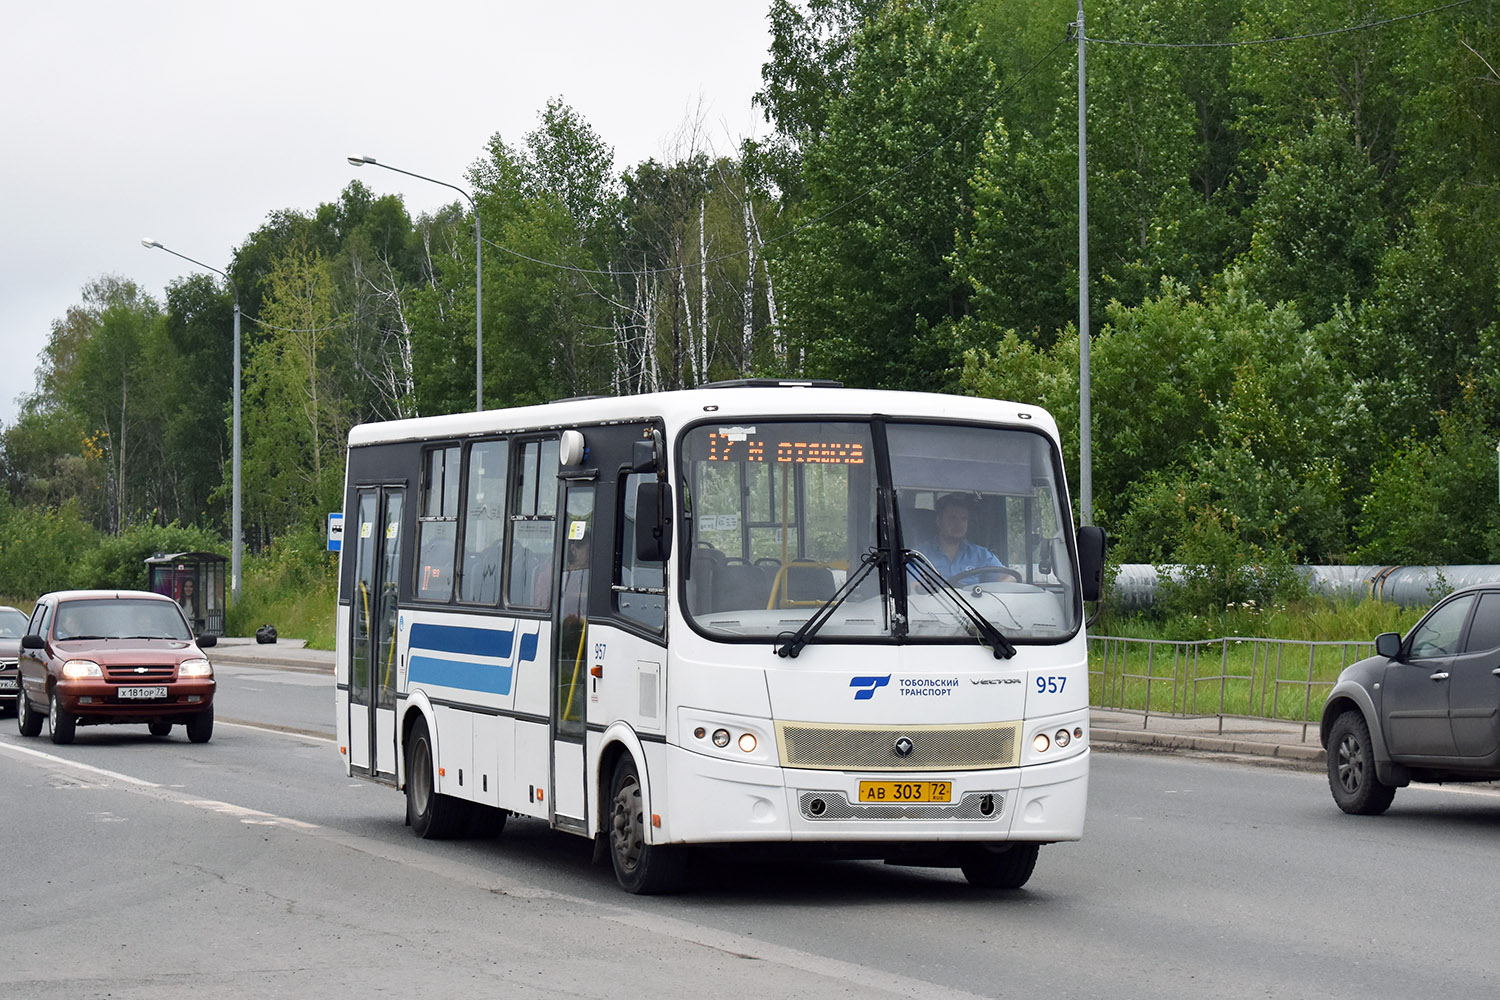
x,y
139,867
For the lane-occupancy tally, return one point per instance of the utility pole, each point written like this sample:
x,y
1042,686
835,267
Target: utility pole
x,y
1085,416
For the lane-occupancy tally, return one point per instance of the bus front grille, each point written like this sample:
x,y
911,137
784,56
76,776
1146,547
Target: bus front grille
x,y
833,747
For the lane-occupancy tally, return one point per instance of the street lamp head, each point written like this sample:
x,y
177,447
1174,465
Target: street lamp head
x,y
359,161
149,243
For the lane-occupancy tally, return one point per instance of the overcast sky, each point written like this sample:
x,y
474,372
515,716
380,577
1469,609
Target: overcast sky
x,y
190,121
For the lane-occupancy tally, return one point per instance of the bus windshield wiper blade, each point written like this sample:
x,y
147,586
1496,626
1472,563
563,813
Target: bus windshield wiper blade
x,y
927,574
794,641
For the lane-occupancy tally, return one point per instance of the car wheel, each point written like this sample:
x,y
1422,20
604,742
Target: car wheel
x,y
28,721
999,866
430,814
159,728
1351,768
640,867
200,727
60,723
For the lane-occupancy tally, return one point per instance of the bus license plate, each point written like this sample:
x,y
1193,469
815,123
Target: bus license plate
x,y
905,791
142,692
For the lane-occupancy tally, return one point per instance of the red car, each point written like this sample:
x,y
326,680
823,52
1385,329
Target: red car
x,y
91,657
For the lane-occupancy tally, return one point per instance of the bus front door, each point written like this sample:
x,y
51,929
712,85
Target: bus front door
x,y
570,660
372,681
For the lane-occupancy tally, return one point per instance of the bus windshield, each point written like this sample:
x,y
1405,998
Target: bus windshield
x,y
781,513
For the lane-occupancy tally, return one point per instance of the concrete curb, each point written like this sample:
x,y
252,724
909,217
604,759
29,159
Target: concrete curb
x,y
1310,756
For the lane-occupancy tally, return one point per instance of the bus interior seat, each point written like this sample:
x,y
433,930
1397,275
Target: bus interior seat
x,y
739,584
705,565
808,581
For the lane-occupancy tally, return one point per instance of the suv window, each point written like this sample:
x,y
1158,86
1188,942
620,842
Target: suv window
x,y
1485,632
1439,634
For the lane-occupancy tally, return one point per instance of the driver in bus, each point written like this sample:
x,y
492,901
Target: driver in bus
x,y
950,551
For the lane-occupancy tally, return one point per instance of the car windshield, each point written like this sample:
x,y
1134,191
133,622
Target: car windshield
x,y
12,623
781,513
119,618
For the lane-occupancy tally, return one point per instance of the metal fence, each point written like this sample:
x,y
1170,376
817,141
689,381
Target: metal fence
x,y
1285,679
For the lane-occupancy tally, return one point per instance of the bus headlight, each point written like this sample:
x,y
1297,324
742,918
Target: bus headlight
x,y
1062,738
721,737
1040,743
747,742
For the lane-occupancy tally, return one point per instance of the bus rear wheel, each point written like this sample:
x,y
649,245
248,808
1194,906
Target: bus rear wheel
x,y
430,814
640,867
999,866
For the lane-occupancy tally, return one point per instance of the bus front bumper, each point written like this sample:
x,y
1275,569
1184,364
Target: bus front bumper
x,y
705,800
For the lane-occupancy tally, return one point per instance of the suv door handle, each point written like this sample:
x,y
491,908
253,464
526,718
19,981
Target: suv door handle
x,y
1496,671
1441,675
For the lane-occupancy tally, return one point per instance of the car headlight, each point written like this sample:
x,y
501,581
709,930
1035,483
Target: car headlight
x,y
196,667
76,669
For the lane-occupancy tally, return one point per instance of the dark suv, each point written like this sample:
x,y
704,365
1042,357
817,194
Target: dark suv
x,y
1423,708
90,657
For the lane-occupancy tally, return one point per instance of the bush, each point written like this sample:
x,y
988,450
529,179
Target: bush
x,y
293,585
41,548
119,563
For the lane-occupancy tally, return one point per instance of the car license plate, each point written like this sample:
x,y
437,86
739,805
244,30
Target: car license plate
x,y
905,791
142,692
7,683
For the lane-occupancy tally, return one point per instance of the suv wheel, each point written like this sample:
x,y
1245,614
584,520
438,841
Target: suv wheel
x,y
60,723
1351,768
27,721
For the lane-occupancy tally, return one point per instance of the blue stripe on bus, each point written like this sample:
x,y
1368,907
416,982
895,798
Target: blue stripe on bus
x,y
469,641
528,646
491,678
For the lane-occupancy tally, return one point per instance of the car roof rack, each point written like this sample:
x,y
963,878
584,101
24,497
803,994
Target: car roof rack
x,y
774,383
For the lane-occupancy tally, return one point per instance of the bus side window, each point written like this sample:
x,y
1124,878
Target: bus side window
x,y
437,523
635,576
484,523
533,519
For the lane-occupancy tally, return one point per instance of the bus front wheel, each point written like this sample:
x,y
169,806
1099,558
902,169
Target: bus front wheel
x,y
999,866
430,814
640,867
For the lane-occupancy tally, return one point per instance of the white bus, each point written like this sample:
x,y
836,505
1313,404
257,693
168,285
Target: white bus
x,y
735,615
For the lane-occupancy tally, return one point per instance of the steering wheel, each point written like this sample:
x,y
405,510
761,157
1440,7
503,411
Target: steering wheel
x,y
986,574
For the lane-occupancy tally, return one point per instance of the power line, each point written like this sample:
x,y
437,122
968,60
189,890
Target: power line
x,y
1282,38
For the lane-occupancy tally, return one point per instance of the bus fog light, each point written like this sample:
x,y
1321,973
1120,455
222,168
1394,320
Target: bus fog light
x,y
1063,738
721,737
747,742
1040,743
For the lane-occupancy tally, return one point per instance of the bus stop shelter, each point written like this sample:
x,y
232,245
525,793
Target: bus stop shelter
x,y
195,580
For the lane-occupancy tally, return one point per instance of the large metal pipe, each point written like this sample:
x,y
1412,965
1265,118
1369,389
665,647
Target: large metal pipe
x,y
1135,585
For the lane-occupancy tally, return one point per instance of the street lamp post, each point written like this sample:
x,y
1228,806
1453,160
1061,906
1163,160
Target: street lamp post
x,y
360,161
236,544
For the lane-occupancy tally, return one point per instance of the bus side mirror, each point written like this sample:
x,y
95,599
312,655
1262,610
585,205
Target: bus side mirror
x,y
1091,547
1388,644
653,521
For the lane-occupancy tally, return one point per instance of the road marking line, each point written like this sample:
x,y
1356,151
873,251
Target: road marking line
x,y
54,759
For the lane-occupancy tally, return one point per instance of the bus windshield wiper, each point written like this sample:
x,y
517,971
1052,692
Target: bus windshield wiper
x,y
794,641
925,573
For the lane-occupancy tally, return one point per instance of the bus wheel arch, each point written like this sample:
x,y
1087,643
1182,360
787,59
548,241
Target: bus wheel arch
x,y
430,814
641,867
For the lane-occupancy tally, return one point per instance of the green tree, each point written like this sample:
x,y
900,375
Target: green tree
x,y
867,287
